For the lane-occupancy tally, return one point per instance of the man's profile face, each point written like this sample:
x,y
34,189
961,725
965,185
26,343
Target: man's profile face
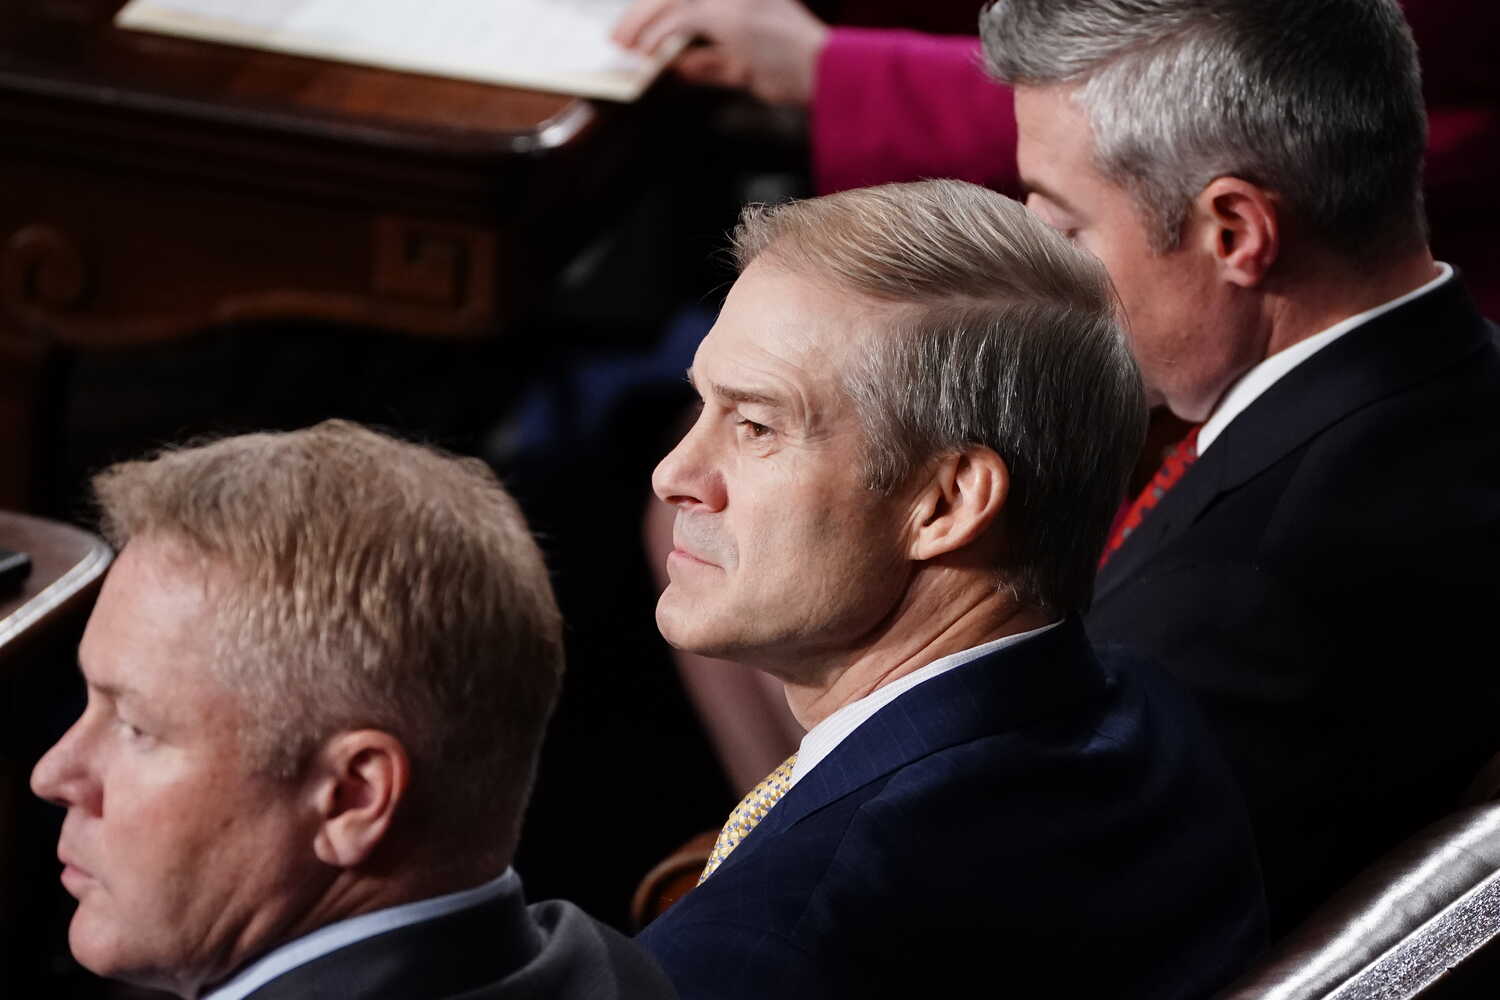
x,y
184,863
1178,331
780,550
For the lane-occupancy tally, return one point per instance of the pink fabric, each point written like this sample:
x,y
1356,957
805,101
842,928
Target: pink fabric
x,y
900,105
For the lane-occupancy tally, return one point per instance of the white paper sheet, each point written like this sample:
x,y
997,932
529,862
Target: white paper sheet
x,y
560,45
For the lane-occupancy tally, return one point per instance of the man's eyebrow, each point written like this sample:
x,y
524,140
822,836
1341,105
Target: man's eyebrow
x,y
734,395
731,394
114,693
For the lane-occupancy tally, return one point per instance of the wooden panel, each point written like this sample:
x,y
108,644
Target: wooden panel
x,y
100,262
152,186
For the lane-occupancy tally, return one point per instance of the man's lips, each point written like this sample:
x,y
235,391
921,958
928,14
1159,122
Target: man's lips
x,y
684,554
74,877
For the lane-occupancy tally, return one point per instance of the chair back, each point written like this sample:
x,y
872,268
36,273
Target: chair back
x,y
1423,922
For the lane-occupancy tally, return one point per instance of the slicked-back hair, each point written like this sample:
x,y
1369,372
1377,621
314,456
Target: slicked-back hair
x,y
1318,101
995,332
359,581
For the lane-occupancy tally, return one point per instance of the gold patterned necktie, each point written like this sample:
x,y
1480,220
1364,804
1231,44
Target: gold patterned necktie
x,y
751,810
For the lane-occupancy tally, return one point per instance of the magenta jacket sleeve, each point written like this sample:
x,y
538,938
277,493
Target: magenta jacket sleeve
x,y
900,105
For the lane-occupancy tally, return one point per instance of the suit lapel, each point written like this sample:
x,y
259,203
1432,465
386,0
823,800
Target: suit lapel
x,y
1370,363
1003,691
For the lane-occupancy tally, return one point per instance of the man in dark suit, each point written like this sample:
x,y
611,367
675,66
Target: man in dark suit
x,y
1321,575
318,676
917,418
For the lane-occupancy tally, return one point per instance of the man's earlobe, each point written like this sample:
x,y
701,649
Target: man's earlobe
x,y
1241,220
359,780
963,498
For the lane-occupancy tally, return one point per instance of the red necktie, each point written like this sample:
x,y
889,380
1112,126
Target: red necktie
x,y
1176,461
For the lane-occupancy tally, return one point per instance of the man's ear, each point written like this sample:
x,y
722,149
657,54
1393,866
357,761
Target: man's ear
x,y
962,497
358,782
1238,222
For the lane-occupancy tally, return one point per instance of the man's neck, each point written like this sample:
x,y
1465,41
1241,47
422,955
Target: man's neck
x,y
334,935
334,896
926,627
1292,306
1329,290
352,893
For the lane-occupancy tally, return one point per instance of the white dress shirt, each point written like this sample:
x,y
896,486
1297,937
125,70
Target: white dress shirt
x,y
338,935
1266,374
821,739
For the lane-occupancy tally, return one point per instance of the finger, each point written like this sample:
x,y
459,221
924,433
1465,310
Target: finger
x,y
637,19
716,21
711,65
680,21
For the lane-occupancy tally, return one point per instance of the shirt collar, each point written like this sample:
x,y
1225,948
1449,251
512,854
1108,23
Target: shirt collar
x,y
1257,380
822,739
332,937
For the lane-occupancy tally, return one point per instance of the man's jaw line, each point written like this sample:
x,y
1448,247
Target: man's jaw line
x,y
916,633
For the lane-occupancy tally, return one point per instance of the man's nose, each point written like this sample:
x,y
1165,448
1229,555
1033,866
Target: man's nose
x,y
61,776
688,476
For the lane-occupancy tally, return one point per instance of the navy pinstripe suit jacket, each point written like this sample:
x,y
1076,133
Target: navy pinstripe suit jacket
x,y
1033,819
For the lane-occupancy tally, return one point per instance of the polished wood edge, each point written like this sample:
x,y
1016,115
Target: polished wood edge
x,y
549,134
55,595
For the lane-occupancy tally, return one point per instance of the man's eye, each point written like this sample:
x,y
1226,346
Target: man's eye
x,y
753,429
131,731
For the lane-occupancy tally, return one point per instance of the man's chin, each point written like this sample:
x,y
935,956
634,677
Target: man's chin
x,y
92,944
684,627
99,950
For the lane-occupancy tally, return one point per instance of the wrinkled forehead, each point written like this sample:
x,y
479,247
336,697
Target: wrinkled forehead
x,y
797,324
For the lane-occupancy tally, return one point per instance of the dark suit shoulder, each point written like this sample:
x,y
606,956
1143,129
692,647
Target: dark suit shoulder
x,y
1114,787
1088,837
581,958
1417,466
501,949
1318,580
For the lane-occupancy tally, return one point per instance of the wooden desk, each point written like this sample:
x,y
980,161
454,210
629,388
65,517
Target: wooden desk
x,y
67,569
151,186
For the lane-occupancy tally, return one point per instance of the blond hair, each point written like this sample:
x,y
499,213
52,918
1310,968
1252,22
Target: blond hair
x,y
360,581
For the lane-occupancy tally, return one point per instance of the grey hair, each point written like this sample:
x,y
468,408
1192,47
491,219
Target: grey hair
x,y
363,582
1001,335
1319,101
